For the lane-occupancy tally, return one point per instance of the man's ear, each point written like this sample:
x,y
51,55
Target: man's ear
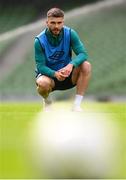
x,y
46,21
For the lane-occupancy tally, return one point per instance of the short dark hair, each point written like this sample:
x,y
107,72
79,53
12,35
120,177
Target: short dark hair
x,y
55,12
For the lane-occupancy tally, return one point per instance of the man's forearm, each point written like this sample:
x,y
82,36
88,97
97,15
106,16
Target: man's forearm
x,y
79,59
45,71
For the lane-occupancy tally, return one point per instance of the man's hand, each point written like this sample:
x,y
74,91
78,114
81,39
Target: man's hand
x,y
66,70
60,76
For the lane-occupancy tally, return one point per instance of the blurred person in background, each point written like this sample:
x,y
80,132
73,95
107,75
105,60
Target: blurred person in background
x,y
55,67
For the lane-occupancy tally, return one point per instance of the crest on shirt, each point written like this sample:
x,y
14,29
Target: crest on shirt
x,y
57,55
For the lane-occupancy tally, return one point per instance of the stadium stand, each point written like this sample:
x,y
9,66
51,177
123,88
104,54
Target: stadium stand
x,y
103,32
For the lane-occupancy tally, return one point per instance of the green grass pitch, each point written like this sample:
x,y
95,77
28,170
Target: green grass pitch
x,y
14,122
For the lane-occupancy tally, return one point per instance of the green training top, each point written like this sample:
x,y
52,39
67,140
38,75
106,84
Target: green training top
x,y
76,45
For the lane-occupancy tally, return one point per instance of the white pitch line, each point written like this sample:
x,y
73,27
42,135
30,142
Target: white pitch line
x,y
86,9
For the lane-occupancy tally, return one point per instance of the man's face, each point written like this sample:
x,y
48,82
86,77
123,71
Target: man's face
x,y
55,24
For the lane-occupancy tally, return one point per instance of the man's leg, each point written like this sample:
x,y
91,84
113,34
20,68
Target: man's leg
x,y
44,87
81,76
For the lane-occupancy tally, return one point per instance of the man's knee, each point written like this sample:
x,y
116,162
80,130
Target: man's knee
x,y
43,83
86,68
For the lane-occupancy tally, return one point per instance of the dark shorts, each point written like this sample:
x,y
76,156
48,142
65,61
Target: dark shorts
x,y
61,85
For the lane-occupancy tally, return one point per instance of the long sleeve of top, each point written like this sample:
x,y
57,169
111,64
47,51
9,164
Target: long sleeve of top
x,y
76,45
78,48
40,60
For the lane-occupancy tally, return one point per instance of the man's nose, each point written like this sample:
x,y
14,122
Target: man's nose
x,y
56,25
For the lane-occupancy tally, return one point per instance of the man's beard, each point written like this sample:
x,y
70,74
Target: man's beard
x,y
55,31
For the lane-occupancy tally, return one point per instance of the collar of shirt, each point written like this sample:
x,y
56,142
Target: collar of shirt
x,y
54,40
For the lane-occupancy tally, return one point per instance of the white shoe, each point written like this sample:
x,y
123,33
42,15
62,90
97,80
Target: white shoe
x,y
47,105
77,109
